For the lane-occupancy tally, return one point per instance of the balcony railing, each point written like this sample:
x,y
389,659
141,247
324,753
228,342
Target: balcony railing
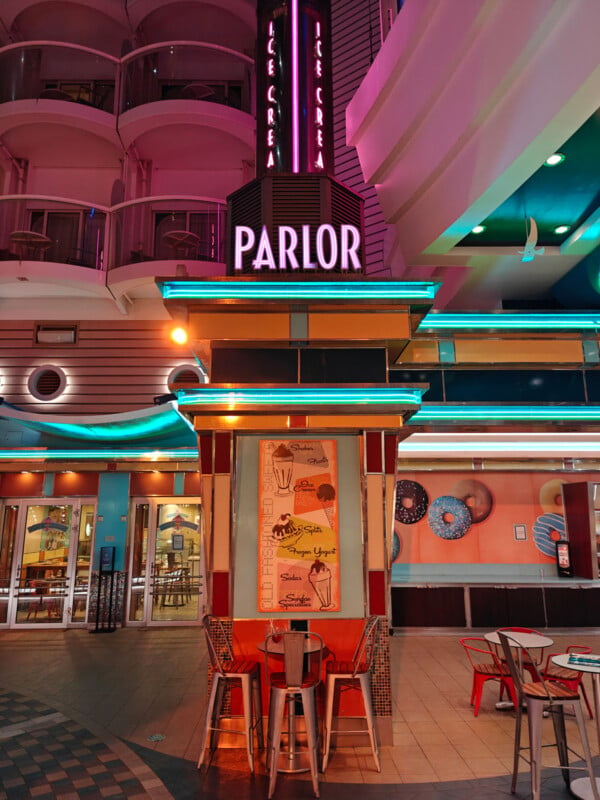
x,y
171,71
186,71
53,229
57,71
164,228
37,228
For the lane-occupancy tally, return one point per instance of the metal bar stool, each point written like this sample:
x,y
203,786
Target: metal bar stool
x,y
540,696
285,687
230,670
356,675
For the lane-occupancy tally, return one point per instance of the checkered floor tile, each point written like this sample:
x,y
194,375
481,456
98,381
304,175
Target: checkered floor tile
x,y
44,755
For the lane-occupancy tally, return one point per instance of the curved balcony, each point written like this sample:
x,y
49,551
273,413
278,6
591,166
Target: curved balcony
x,y
52,229
167,229
197,71
36,228
55,71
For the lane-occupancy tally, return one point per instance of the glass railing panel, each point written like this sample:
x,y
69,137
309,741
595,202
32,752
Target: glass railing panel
x,y
58,72
164,228
187,72
42,229
151,229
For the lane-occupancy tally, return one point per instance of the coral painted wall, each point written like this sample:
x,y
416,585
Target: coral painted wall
x,y
479,518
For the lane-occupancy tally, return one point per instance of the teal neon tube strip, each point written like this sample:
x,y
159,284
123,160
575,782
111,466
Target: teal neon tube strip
x,y
505,414
299,290
523,321
81,455
301,396
468,449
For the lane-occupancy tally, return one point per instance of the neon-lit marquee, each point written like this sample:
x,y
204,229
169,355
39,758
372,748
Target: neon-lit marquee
x,y
332,250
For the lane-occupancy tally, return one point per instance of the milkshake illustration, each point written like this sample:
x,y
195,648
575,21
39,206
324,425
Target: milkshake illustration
x,y
319,577
326,494
283,465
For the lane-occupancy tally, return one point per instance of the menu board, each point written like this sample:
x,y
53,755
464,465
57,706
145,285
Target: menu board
x,y
298,541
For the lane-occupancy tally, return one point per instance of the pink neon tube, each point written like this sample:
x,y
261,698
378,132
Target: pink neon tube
x,y
295,91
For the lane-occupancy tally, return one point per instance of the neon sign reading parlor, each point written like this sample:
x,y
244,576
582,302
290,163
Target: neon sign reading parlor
x,y
333,250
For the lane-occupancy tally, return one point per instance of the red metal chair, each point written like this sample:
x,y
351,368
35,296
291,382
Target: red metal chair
x,y
486,667
570,678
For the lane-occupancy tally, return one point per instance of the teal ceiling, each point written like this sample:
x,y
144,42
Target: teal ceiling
x,y
565,194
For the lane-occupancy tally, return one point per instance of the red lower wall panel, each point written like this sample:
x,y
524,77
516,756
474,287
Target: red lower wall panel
x,y
220,594
377,593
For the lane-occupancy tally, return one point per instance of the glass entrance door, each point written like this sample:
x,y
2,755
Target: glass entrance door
x,y
166,562
52,544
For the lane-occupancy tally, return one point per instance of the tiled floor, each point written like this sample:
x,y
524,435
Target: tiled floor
x,y
119,716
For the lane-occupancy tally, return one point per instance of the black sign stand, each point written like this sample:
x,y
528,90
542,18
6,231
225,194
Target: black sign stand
x,y
106,584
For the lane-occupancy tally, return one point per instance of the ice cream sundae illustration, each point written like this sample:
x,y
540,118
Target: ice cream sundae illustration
x,y
283,527
319,577
283,465
326,494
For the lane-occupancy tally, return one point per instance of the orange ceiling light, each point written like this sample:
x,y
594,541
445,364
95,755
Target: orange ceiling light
x,y
179,335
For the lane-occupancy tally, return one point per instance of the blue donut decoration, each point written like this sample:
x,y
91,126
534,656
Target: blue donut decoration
x,y
449,517
395,546
543,529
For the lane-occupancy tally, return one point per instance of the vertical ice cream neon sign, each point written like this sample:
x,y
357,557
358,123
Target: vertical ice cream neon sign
x,y
318,96
294,124
271,99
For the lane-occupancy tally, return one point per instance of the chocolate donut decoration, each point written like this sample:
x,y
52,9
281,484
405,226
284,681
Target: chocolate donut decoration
x,y
411,502
476,496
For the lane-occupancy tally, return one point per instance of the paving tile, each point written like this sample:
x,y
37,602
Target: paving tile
x,y
140,682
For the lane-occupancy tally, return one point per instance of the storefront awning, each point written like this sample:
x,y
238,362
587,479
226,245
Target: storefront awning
x,y
159,423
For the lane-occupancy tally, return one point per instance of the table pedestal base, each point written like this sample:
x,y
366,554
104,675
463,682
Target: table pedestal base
x,y
293,762
582,787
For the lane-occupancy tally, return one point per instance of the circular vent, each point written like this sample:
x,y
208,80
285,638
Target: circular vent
x,y
186,373
47,382
186,376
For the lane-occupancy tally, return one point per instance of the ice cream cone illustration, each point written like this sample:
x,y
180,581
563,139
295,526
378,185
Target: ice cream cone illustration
x,y
283,466
326,494
319,577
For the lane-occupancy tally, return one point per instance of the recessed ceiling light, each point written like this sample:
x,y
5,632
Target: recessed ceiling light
x,y
554,159
561,228
478,229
